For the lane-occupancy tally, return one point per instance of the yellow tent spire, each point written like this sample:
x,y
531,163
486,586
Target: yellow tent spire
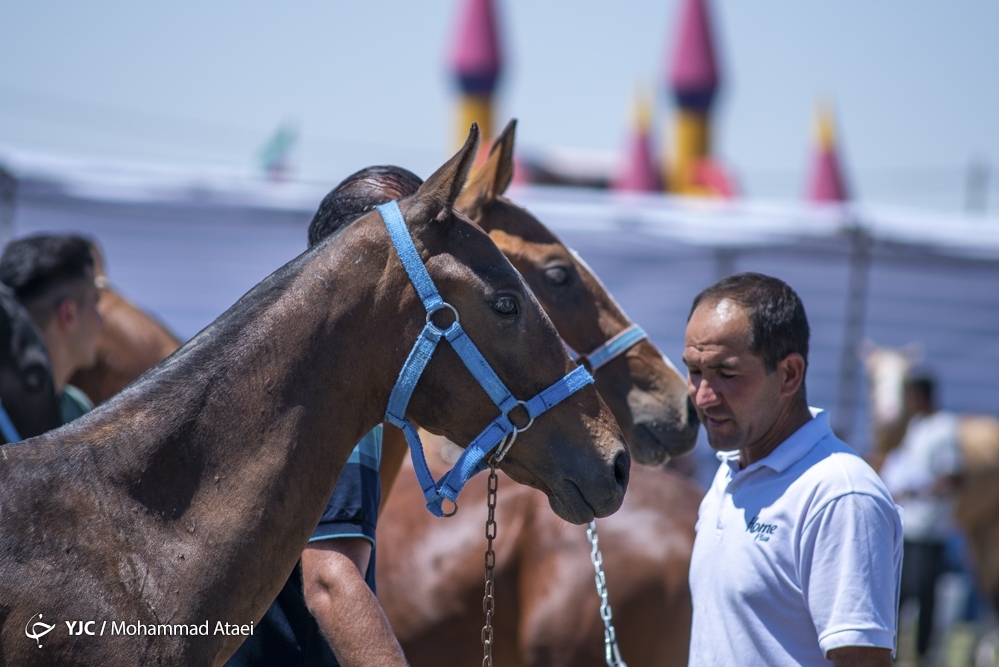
x,y
825,127
642,109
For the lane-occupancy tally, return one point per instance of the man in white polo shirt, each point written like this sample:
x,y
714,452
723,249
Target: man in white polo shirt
x,y
799,545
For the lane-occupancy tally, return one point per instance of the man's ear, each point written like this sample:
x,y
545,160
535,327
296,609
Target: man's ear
x,y
67,314
792,370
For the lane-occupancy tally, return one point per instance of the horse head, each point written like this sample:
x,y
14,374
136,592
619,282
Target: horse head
x,y
646,393
575,452
26,388
886,370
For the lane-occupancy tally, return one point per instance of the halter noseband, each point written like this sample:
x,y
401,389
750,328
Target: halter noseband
x,y
614,347
501,432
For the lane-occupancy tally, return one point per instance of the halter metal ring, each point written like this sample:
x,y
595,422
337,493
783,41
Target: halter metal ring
x,y
444,304
521,430
452,512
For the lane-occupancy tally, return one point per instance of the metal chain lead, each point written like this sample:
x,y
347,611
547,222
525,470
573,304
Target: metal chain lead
x,y
488,601
612,654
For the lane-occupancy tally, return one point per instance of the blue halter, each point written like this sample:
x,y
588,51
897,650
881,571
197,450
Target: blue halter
x,y
7,427
501,432
611,349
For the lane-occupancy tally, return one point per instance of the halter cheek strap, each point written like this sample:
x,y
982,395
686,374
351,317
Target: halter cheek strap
x,y
613,348
498,434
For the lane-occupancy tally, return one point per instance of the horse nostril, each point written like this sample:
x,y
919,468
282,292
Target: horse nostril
x,y
622,469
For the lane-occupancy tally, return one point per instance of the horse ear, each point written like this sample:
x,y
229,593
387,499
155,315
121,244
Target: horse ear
x,y
492,178
437,195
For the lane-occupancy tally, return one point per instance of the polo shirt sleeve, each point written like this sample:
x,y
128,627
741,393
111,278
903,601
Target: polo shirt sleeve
x,y
352,510
850,568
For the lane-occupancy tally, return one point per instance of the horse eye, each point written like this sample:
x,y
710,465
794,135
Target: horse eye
x,y
34,380
556,275
505,305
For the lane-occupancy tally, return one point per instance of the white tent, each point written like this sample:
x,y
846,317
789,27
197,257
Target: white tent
x,y
186,244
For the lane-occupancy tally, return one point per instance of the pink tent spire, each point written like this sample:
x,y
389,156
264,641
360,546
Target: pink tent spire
x,y
692,72
827,184
476,59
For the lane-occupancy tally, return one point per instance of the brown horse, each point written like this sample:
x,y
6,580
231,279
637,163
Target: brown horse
x,y
430,576
26,389
976,509
188,497
430,572
644,390
130,343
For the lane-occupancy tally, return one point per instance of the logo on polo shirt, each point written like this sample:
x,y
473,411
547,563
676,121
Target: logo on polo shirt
x,y
761,531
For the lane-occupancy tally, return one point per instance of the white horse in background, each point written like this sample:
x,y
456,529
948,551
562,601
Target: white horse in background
x,y
977,497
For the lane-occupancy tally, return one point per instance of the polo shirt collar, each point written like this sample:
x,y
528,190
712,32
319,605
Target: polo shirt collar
x,y
791,450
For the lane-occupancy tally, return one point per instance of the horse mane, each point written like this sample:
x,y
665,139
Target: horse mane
x,y
174,375
345,204
516,221
227,330
358,194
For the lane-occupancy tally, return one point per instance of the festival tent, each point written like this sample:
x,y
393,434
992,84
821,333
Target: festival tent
x,y
186,244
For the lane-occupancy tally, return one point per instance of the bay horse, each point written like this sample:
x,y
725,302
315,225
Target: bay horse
x,y
27,393
976,509
130,343
189,496
430,573
641,386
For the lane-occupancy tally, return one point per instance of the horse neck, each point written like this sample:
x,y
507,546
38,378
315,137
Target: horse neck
x,y
228,451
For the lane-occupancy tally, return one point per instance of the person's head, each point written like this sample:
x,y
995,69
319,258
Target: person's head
x,y
920,391
359,193
746,352
53,276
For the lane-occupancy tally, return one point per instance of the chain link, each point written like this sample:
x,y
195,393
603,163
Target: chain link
x,y
488,601
612,654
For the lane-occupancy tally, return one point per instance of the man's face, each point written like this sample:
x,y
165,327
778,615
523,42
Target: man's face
x,y
736,399
916,401
89,325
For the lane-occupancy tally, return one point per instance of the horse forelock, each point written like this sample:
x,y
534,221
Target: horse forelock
x,y
502,214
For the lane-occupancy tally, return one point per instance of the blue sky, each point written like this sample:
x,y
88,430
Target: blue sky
x,y
915,84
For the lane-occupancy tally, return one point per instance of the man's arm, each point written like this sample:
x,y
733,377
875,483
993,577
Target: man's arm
x,y
347,610
860,656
